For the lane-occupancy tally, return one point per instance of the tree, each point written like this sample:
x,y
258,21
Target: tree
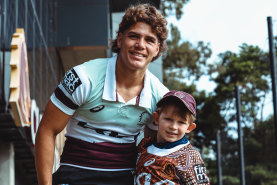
x,y
185,63
248,69
183,60
173,7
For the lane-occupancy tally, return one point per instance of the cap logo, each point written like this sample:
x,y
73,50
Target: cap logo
x,y
179,94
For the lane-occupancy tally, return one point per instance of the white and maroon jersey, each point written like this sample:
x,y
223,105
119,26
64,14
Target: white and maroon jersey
x,y
181,164
102,131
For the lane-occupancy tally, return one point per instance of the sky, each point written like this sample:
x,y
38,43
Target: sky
x,y
225,25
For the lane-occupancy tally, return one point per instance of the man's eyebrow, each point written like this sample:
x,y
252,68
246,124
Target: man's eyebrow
x,y
132,32
147,36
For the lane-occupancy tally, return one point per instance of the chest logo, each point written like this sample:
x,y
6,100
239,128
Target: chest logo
x,y
168,171
149,162
97,109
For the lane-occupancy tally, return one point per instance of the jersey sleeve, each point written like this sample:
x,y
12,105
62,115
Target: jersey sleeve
x,y
143,144
73,90
195,173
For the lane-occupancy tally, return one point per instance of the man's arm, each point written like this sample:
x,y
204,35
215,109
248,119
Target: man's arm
x,y
148,132
52,123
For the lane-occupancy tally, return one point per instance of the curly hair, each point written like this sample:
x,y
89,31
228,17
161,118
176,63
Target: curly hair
x,y
148,14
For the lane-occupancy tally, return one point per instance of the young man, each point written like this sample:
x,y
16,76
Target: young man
x,y
169,158
104,103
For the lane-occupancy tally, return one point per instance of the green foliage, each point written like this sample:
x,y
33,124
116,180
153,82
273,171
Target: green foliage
x,y
250,70
260,175
185,60
173,7
230,180
207,123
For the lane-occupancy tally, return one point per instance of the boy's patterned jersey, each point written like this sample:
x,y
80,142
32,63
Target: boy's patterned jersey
x,y
179,165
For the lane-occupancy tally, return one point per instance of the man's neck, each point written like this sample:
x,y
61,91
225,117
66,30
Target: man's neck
x,y
129,84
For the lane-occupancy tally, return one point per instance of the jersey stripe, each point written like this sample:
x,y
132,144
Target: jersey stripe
x,y
64,99
102,155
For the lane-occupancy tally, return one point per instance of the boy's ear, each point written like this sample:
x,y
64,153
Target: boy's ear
x,y
191,127
156,118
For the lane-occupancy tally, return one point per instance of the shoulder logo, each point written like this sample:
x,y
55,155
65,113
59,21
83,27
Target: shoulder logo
x,y
200,173
71,81
149,162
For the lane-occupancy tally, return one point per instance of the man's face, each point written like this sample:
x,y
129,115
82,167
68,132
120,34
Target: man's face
x,y
138,45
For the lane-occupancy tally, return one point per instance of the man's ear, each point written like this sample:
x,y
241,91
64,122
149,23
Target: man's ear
x,y
158,49
191,127
156,118
119,40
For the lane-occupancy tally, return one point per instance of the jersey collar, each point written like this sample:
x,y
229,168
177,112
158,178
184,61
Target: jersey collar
x,y
109,92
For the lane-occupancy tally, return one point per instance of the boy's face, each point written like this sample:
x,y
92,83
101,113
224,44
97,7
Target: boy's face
x,y
171,127
138,45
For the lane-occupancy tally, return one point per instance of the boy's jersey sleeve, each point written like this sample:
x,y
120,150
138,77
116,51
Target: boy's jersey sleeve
x,y
195,173
73,90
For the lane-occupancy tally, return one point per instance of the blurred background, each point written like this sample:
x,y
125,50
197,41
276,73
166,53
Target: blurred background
x,y
228,67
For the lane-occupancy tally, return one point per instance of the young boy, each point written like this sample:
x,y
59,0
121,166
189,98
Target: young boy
x,y
169,158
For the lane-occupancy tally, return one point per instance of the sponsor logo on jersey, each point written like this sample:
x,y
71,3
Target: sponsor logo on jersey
x,y
71,81
200,173
144,118
105,132
168,171
149,162
97,109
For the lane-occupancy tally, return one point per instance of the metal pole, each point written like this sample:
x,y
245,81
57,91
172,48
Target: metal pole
x,y
16,14
240,136
3,103
218,148
273,73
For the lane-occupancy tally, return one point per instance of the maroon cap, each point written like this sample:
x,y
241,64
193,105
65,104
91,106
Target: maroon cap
x,y
186,98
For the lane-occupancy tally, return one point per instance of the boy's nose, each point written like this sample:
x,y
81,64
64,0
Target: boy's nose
x,y
173,126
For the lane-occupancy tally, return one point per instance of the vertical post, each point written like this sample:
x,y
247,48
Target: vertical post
x,y
26,19
40,55
240,136
273,73
3,103
218,157
16,14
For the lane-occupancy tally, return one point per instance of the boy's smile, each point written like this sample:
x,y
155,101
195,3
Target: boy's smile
x,y
172,127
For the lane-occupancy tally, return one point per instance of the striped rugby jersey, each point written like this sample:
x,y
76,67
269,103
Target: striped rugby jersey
x,y
102,131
